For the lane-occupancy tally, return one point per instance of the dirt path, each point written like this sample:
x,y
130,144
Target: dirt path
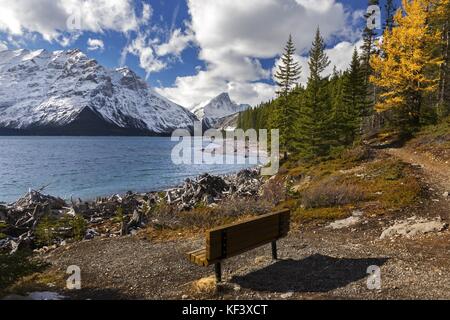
x,y
437,172
436,175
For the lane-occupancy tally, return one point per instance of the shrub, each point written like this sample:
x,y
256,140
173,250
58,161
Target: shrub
x,y
330,193
79,227
274,191
46,231
120,216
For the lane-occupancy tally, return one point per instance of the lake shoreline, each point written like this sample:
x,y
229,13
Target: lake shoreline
x,y
127,212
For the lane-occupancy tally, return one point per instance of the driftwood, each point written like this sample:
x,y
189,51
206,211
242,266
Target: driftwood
x,y
23,216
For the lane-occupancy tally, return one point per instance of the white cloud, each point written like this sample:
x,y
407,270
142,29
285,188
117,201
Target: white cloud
x,y
233,35
3,46
177,43
95,44
54,18
143,48
259,28
147,13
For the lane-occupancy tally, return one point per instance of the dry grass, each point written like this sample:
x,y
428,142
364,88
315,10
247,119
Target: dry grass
x,y
205,285
45,281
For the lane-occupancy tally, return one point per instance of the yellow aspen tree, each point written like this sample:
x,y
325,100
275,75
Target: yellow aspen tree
x,y
410,67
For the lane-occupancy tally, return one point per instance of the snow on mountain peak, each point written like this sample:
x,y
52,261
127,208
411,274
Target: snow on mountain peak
x,y
41,89
218,107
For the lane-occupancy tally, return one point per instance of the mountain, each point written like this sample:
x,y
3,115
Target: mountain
x,y
212,111
66,93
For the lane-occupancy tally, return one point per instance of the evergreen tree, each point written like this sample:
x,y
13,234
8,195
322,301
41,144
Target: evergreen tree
x,y
289,70
368,47
315,121
287,76
337,105
354,99
368,50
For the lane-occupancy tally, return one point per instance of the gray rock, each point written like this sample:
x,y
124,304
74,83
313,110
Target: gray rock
x,y
348,222
413,228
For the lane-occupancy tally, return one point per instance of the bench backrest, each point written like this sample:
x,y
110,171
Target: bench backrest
x,y
234,239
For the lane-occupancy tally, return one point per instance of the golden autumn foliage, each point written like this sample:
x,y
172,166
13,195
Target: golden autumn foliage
x,y
408,65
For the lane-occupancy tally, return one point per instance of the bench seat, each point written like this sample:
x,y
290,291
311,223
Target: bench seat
x,y
237,238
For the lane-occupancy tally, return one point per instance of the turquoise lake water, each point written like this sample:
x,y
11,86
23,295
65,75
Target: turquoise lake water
x,y
87,167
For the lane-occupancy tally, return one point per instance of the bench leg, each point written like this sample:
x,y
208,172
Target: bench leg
x,y
218,270
274,251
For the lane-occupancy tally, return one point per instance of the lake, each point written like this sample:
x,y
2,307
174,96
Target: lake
x,y
88,167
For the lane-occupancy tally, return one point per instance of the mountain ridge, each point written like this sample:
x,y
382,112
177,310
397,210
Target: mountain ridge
x,y
66,93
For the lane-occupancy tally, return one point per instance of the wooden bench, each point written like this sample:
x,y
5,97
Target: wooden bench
x,y
234,239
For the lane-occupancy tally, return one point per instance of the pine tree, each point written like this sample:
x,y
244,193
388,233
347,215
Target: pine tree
x,y
289,71
287,77
354,99
315,121
368,50
337,105
408,70
368,47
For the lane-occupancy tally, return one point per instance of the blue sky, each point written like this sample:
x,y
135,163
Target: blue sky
x,y
188,50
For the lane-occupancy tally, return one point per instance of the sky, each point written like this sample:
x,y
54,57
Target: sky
x,y
189,50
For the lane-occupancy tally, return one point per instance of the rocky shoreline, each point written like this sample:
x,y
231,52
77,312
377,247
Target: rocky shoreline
x,y
42,222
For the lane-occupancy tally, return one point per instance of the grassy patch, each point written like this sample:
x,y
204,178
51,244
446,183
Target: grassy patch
x,y
15,267
333,213
45,281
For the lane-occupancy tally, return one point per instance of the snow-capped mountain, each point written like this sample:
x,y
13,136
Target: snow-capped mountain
x,y
65,92
219,107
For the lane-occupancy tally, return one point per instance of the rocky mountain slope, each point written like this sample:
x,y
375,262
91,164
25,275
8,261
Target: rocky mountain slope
x,y
65,92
